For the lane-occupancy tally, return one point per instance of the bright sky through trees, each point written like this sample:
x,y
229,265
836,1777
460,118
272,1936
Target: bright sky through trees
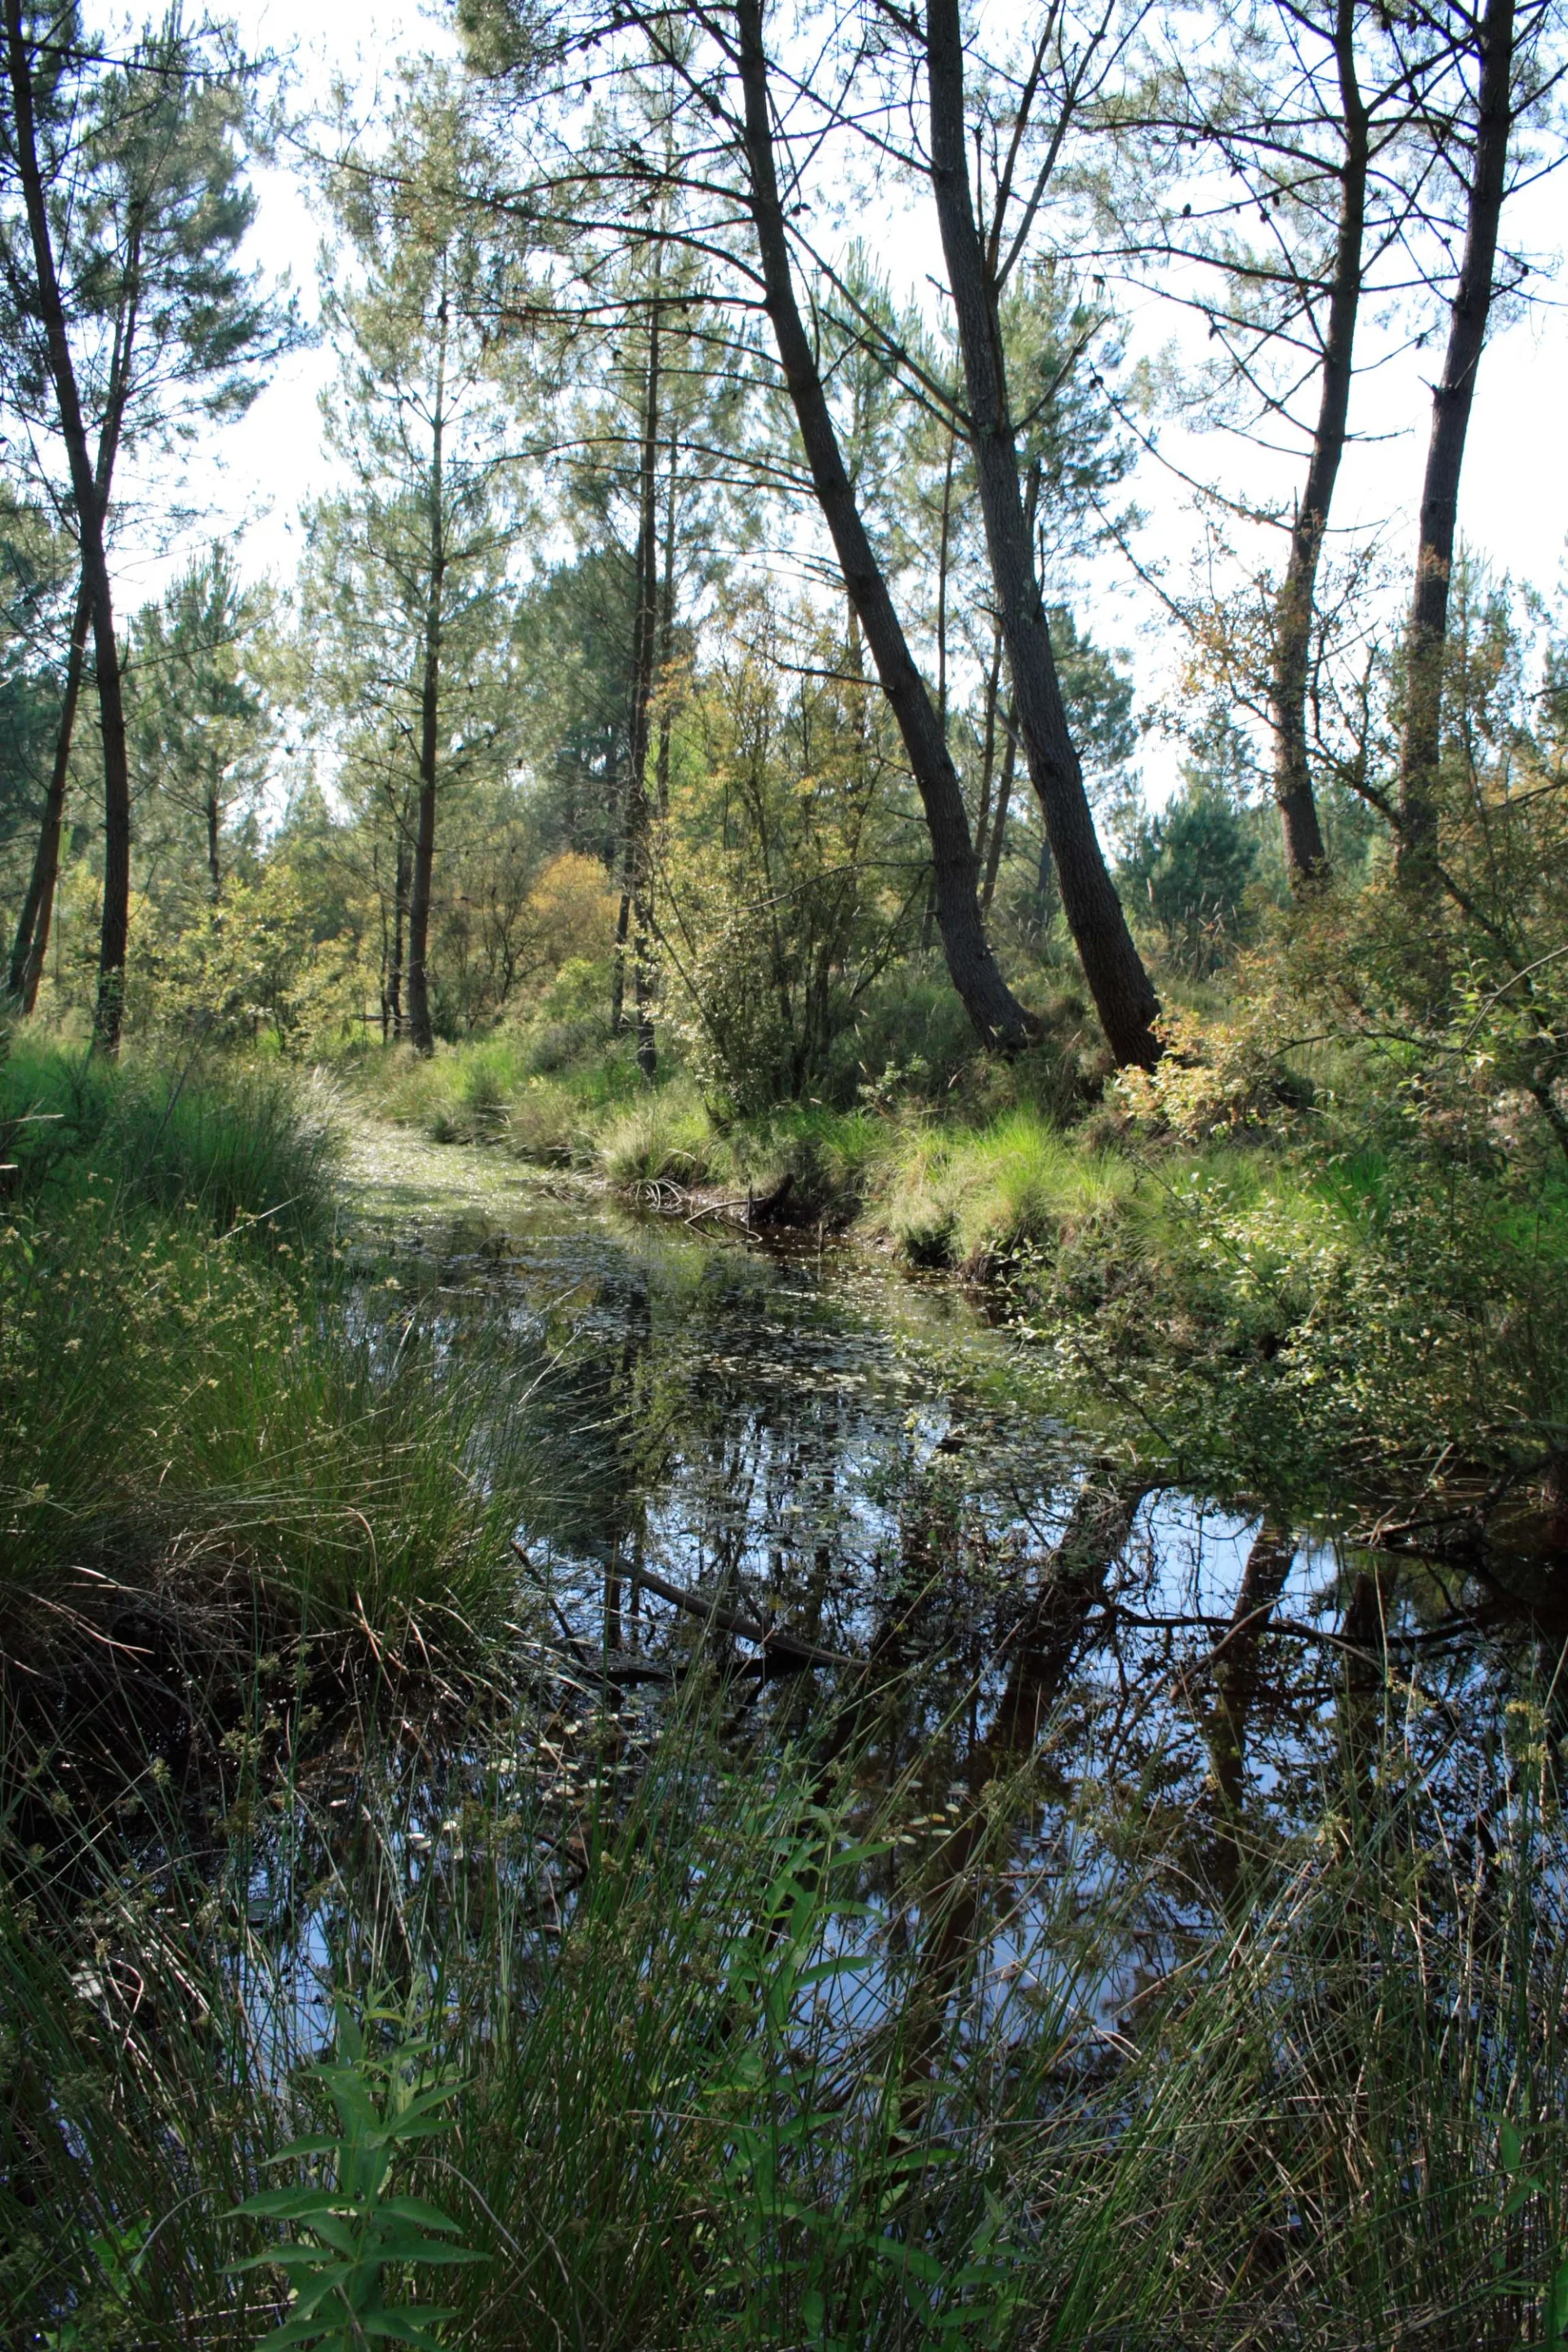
x,y
254,477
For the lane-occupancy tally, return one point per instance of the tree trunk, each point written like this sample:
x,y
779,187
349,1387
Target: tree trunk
x,y
1003,799
944,549
37,909
1045,890
618,961
1305,858
116,919
399,918
215,870
645,656
998,1018
666,624
419,1024
988,743
1451,398
1123,994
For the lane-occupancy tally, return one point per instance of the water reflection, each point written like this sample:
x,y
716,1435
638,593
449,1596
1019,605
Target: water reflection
x,y
799,1446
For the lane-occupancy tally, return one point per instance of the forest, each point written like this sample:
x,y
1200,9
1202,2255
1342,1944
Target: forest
x,y
784,1177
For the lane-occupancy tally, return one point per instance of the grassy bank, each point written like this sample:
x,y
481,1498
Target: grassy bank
x,y
203,1450
687,2049
1328,1276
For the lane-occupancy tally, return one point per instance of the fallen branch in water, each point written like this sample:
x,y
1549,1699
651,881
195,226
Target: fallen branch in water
x,y
775,1641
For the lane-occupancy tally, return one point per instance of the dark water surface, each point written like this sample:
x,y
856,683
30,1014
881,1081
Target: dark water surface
x,y
859,1461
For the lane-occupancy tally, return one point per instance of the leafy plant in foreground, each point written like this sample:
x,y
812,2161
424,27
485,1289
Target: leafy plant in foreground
x,y
351,2234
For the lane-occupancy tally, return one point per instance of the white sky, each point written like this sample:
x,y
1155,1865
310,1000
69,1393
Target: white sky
x,y
255,475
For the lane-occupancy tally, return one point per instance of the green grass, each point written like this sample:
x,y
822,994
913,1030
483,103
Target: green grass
x,y
508,1089
201,1442
231,1143
666,1136
966,1196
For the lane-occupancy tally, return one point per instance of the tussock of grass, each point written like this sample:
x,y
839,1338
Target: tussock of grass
x,y
199,1437
967,1196
666,1137
185,1437
235,1143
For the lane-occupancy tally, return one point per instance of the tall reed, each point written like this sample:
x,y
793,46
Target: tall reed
x,y
687,1992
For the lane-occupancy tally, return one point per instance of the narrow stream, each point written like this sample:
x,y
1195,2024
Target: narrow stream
x,y
819,1446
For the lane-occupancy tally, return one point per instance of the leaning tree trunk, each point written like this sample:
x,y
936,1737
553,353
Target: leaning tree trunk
x,y
998,1018
1123,994
419,1023
1305,858
115,926
1416,855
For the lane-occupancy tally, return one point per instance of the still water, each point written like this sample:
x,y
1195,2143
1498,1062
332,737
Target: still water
x,y
861,1467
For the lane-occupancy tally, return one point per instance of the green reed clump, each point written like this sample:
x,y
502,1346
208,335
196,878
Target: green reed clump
x,y
738,2062
202,1437
187,1434
233,1142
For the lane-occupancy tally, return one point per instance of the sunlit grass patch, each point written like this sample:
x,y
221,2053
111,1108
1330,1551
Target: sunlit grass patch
x,y
966,1195
237,1143
666,1137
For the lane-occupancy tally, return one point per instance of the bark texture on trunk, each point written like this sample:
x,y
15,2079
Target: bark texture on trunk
x,y
1305,856
114,929
1123,994
998,1018
32,941
1420,746
420,1028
